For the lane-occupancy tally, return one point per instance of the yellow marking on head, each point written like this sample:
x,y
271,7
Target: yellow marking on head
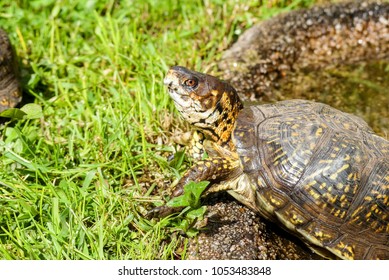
x,y
214,92
196,149
199,145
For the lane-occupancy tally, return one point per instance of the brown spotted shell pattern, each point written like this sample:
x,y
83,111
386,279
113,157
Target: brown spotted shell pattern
x,y
321,173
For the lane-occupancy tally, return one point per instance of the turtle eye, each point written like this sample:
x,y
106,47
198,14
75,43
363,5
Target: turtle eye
x,y
190,83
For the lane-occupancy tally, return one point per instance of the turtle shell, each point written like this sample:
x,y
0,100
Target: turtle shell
x,y
321,173
10,93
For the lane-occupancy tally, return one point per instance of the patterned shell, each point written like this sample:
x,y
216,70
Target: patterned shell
x,y
320,172
10,93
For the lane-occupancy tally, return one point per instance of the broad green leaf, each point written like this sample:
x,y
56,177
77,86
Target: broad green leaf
x,y
28,111
32,111
13,113
191,196
179,201
197,213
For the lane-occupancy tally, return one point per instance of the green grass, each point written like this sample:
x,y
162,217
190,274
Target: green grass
x,y
75,183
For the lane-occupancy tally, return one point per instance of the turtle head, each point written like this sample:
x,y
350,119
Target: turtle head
x,y
206,102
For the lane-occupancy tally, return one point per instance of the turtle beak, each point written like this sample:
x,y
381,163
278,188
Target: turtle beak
x,y
171,81
176,92
168,81
169,84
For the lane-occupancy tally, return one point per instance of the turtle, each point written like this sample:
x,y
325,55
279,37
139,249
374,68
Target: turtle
x,y
319,173
10,91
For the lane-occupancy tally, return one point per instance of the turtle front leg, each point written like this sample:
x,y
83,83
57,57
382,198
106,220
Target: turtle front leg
x,y
214,170
196,145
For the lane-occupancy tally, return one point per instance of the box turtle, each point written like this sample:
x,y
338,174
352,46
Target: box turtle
x,y
320,173
10,93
